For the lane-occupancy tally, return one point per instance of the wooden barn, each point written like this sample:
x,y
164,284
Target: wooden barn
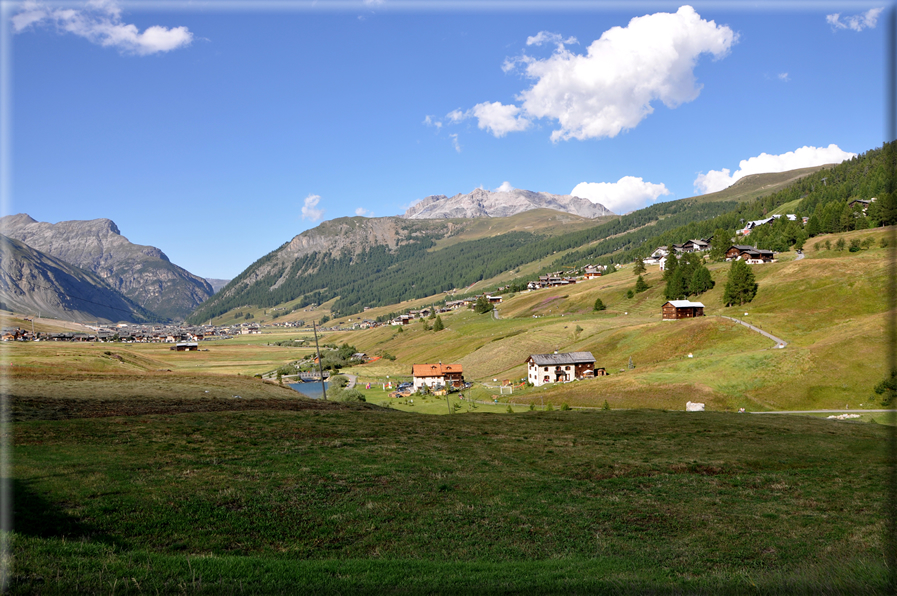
x,y
681,309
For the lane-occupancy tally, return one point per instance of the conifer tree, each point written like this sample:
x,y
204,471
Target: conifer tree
x,y
640,285
813,226
638,268
701,281
677,287
742,286
719,244
599,305
437,325
671,263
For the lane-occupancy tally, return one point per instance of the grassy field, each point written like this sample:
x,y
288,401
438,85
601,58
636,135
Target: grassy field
x,y
379,501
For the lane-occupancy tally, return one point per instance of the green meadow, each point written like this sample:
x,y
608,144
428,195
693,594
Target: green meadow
x,y
379,501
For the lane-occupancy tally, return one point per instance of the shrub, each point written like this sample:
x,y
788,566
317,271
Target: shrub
x,y
630,294
550,408
350,395
883,243
599,305
606,406
565,407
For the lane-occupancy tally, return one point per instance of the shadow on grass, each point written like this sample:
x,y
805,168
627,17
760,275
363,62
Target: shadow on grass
x,y
34,515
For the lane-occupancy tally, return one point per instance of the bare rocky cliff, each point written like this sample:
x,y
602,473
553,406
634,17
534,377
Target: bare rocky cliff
x,y
487,203
36,283
142,273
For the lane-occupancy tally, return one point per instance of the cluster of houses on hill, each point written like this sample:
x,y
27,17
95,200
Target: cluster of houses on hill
x,y
556,279
750,254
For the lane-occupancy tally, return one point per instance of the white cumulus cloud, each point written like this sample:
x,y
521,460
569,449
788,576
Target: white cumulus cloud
x,y
361,211
625,195
865,20
100,22
505,187
611,87
805,157
310,208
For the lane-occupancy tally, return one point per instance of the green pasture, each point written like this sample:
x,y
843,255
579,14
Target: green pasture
x,y
379,501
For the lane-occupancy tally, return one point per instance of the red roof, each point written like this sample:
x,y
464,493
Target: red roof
x,y
434,370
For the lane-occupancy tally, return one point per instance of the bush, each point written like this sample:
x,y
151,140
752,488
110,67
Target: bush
x,y
549,407
599,305
883,243
606,406
565,407
510,410
350,396
630,294
338,381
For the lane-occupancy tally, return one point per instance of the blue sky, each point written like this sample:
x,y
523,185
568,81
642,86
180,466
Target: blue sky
x,y
217,134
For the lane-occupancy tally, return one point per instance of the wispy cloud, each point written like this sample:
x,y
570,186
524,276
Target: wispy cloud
x,y
99,21
805,157
361,211
455,142
865,20
310,210
783,76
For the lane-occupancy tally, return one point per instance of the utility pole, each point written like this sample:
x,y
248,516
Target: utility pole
x,y
320,364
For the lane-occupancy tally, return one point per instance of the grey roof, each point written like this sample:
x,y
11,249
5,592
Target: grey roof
x,y
568,358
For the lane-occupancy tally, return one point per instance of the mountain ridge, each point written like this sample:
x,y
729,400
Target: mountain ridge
x,y
486,203
144,274
33,282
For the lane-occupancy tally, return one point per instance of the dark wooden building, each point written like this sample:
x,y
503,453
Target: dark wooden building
x,y
681,309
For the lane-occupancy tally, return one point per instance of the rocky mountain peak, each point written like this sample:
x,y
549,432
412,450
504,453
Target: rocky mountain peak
x,y
487,203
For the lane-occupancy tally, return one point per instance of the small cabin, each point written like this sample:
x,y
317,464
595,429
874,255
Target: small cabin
x,y
681,309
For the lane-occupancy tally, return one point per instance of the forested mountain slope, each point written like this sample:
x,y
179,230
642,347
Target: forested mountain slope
x,y
382,261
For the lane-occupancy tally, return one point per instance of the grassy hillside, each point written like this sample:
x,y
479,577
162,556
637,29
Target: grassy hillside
x,y
829,307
